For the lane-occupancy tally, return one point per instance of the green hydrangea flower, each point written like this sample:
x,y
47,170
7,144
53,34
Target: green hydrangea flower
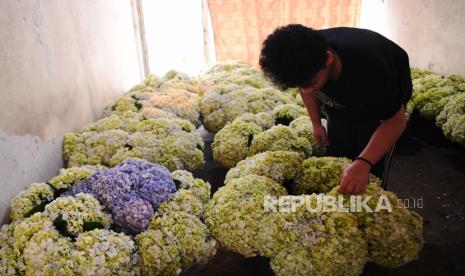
x,y
192,236
282,138
304,129
232,143
31,200
183,200
10,261
286,113
263,119
185,180
66,178
431,102
452,119
280,166
77,214
226,103
234,213
104,252
25,229
318,244
173,143
181,103
394,238
48,253
321,174
159,253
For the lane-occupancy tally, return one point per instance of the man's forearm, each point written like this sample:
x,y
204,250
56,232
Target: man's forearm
x,y
313,108
385,137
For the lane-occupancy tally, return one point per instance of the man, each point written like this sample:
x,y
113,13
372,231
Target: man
x,y
363,82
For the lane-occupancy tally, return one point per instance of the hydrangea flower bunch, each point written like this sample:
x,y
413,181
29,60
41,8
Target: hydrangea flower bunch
x,y
8,256
174,243
280,137
304,128
185,180
452,119
176,95
34,198
316,244
280,166
250,134
286,113
440,98
173,143
223,103
304,242
104,252
232,143
67,178
192,236
132,191
48,253
76,214
236,210
394,238
321,174
31,200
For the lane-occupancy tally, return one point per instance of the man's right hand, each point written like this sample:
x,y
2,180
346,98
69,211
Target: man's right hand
x,y
320,136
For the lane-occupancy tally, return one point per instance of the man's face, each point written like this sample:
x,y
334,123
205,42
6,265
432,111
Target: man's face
x,y
317,82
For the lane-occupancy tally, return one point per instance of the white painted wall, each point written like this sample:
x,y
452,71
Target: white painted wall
x,y
431,31
61,62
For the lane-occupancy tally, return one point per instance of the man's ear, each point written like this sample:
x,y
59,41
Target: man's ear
x,y
329,57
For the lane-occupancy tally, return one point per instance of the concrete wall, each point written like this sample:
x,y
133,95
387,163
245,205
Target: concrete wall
x,y
61,62
432,32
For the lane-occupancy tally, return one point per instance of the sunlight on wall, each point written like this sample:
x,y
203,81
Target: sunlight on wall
x,y
373,16
174,35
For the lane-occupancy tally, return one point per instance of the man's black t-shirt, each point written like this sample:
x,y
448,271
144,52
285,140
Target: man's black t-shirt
x,y
375,77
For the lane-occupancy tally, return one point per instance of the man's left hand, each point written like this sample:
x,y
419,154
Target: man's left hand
x,y
354,179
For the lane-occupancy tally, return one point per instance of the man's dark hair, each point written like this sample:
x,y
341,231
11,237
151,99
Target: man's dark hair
x,y
292,55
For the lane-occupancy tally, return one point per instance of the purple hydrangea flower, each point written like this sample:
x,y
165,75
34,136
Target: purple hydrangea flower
x,y
81,187
133,214
132,191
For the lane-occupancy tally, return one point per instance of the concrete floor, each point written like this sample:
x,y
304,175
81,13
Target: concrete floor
x,y
428,173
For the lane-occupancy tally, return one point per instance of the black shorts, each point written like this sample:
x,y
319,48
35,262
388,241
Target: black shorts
x,y
349,139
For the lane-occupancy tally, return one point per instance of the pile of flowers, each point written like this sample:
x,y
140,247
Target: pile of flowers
x,y
174,143
452,119
440,98
287,128
90,213
234,89
303,242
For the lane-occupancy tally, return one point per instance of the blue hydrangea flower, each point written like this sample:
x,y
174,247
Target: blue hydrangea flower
x,y
132,191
